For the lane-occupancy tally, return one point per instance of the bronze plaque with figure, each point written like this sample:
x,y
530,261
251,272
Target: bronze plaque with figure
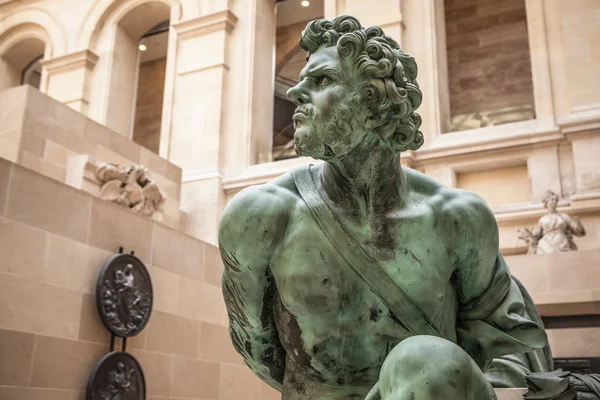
x,y
117,376
124,295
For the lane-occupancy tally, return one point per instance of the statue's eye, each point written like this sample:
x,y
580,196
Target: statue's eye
x,y
322,80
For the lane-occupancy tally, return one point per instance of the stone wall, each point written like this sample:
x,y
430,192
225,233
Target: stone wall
x,y
489,65
55,240
149,104
58,142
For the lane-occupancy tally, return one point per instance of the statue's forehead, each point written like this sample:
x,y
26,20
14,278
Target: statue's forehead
x,y
323,57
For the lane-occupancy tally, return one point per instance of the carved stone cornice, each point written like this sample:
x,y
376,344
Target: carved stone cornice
x,y
215,22
80,59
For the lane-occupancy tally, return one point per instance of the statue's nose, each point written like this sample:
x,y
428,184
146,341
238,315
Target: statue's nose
x,y
298,94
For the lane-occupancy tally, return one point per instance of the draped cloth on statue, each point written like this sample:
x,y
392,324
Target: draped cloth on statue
x,y
501,321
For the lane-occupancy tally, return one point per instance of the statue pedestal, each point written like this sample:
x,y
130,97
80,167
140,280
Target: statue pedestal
x,y
510,394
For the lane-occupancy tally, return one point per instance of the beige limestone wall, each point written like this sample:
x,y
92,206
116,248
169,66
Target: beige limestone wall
x,y
489,66
564,284
54,241
498,186
54,140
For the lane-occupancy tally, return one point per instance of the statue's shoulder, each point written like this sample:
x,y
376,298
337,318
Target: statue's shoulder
x,y
260,208
457,208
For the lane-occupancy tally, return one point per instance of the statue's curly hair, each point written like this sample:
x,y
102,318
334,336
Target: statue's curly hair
x,y
549,195
389,76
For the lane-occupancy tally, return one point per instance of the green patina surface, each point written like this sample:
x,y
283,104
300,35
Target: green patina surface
x,y
302,318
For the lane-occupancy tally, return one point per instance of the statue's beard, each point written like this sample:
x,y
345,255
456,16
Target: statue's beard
x,y
321,137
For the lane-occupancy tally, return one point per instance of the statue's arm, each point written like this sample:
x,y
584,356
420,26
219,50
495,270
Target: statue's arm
x,y
575,226
492,319
248,233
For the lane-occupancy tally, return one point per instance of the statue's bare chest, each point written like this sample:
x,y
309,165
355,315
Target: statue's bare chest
x,y
314,279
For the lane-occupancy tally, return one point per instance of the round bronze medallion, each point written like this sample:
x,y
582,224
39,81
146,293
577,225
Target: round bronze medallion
x,y
124,295
116,376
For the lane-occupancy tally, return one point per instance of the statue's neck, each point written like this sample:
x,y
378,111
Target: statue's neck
x,y
366,184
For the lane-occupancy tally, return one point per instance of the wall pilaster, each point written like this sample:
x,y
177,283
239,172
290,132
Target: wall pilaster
x,y
67,78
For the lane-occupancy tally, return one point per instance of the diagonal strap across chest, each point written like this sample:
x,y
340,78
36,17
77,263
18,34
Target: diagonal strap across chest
x,y
410,315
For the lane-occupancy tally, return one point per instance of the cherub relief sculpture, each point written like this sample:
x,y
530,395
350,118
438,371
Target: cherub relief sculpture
x,y
555,230
357,278
130,187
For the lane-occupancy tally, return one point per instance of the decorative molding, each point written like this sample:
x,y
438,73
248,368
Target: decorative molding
x,y
534,211
80,59
585,196
204,68
201,175
581,118
490,138
219,21
262,173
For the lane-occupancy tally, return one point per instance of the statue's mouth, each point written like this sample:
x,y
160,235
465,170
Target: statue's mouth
x,y
298,117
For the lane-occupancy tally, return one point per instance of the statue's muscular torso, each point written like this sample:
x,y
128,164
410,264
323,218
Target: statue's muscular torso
x,y
335,331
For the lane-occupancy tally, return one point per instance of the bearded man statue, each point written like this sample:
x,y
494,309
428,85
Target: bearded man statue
x,y
355,278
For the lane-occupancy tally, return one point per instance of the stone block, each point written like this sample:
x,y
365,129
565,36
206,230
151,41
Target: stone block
x,y
73,265
153,162
157,370
173,173
201,301
171,334
575,342
81,145
23,249
113,226
138,341
212,305
64,364
215,345
213,265
165,285
13,98
5,171
125,147
268,393
42,166
26,393
177,252
41,309
239,382
583,272
49,205
9,145
196,379
510,394
57,154
91,328
38,123
98,133
11,120
16,351
33,143
107,155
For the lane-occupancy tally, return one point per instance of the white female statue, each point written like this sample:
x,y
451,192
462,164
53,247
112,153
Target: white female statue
x,y
555,230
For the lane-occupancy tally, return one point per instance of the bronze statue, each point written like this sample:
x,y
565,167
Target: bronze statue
x,y
356,278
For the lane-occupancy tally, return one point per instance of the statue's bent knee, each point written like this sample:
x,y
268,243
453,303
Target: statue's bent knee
x,y
431,368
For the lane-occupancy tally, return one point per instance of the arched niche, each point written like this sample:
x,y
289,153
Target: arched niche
x,y
22,48
114,33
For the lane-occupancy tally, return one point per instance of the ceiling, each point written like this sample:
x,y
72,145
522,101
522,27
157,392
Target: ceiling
x,y
156,47
290,12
